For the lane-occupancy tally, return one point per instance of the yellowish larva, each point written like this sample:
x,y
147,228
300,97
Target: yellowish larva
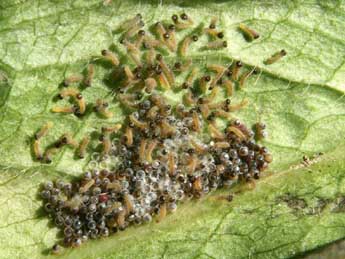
x,y
171,163
44,130
106,143
89,75
189,81
236,69
229,86
102,108
73,79
83,146
163,81
150,148
203,83
150,84
181,67
215,132
112,129
129,136
49,153
64,109
133,52
249,33
68,92
197,185
237,132
199,148
185,44
217,44
213,22
275,57
133,30
66,139
37,150
86,186
245,76
196,122
189,99
142,150
220,70
128,202
239,106
171,41
166,69
137,123
128,24
192,164
162,212
111,57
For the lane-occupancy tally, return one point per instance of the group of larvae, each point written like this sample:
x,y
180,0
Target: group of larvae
x,y
167,153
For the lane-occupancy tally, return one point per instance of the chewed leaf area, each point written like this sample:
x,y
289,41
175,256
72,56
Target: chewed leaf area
x,y
112,122
161,153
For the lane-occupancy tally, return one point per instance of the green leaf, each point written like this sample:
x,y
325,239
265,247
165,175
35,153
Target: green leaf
x,y
293,210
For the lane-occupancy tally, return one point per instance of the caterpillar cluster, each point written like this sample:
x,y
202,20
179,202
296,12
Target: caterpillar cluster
x,y
166,153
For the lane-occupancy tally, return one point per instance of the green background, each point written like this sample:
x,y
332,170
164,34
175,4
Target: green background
x,y
300,98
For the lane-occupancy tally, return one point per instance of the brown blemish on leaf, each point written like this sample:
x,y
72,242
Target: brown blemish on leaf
x,y
300,206
296,204
339,205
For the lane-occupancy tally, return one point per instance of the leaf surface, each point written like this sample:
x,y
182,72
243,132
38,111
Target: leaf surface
x,y
293,210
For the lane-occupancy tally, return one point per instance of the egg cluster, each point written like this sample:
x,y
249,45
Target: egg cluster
x,y
159,166
165,153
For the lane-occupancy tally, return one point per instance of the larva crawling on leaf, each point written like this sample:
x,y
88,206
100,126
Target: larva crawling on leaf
x,y
102,108
72,79
248,33
83,146
90,74
275,57
186,43
111,57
